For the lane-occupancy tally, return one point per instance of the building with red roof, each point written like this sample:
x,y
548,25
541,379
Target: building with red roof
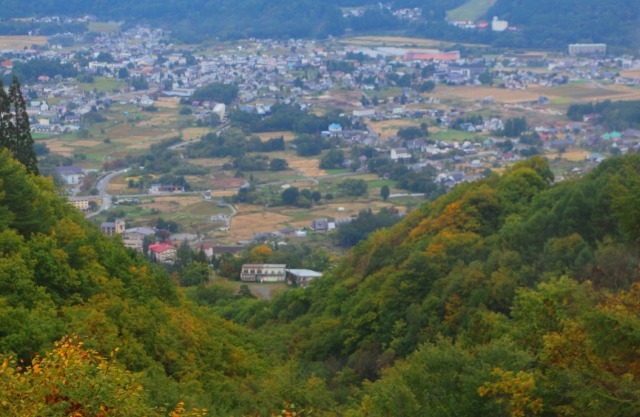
x,y
163,252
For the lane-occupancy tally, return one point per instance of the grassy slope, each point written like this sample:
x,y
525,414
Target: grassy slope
x,y
471,10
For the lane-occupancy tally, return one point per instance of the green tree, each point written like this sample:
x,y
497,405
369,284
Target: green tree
x,y
278,164
123,73
353,187
195,273
384,192
15,131
412,132
333,159
427,86
290,196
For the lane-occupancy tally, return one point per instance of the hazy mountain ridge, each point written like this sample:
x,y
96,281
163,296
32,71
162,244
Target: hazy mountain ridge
x,y
550,22
542,24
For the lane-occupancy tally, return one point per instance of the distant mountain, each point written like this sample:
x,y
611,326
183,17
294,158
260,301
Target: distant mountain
x,y
546,24
552,23
200,19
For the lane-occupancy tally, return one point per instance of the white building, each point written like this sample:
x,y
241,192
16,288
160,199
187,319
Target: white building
x,y
263,273
134,237
400,153
499,25
302,277
71,175
587,49
220,109
364,113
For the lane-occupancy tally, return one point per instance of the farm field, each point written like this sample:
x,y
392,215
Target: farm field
x,y
193,133
127,130
305,167
397,41
350,208
288,136
631,73
168,102
19,42
344,99
573,155
450,135
470,93
386,128
589,91
60,147
103,84
247,222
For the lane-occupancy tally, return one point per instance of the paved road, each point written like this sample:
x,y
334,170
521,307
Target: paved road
x,y
406,195
101,186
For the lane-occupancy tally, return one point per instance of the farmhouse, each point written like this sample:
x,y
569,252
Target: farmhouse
x,y
263,273
163,252
116,227
71,175
81,203
134,237
400,153
320,225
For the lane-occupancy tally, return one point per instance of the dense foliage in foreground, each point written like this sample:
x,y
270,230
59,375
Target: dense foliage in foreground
x,y
506,297
59,275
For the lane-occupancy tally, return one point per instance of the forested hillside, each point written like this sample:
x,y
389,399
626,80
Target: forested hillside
x,y
551,23
202,19
508,296
544,24
60,276
511,296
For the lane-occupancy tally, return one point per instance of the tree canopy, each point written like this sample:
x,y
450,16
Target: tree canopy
x,y
509,296
15,130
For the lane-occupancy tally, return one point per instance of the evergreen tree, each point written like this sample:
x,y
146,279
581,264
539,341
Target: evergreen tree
x,y
385,192
15,130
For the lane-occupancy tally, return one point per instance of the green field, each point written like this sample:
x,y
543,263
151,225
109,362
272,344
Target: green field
x,y
102,84
379,183
452,135
39,136
471,10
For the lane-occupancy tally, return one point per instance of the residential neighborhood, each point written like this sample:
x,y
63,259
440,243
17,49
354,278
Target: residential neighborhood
x,y
418,119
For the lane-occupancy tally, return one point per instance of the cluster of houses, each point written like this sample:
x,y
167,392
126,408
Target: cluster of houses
x,y
272,74
166,252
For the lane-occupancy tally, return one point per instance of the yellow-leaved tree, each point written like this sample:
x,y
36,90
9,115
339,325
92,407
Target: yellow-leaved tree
x,y
72,380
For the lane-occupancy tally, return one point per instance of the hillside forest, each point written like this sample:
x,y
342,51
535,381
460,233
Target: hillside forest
x,y
546,24
509,296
